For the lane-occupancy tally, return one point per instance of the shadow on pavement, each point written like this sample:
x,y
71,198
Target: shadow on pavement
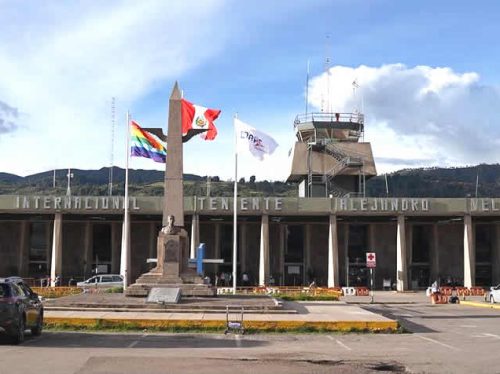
x,y
299,307
112,340
407,324
463,316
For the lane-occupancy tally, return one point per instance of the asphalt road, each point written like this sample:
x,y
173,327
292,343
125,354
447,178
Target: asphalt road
x,y
445,339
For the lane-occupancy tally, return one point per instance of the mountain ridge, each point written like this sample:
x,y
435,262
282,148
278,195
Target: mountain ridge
x,y
480,180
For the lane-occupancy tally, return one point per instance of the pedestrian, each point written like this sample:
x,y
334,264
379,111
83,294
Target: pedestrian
x,y
434,287
245,279
223,279
271,280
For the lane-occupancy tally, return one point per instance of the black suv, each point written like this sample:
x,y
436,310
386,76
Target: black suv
x,y
20,309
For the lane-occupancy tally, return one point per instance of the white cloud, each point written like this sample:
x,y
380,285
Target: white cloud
x,y
66,61
420,116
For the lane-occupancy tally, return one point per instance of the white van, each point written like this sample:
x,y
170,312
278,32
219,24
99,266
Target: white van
x,y
104,280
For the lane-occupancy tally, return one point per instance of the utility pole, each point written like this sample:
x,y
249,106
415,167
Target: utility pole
x,y
110,187
69,176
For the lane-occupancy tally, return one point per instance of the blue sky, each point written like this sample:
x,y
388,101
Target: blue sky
x,y
427,72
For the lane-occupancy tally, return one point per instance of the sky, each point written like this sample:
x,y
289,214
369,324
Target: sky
x,y
427,75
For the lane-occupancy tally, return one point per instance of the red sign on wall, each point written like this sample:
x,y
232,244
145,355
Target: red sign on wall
x,y
371,260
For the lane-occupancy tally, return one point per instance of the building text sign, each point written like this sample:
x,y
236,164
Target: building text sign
x,y
74,202
382,204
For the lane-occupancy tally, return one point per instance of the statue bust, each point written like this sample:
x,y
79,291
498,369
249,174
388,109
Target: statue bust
x,y
170,228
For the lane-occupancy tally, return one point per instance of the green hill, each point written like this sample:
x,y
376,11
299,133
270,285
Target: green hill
x,y
424,182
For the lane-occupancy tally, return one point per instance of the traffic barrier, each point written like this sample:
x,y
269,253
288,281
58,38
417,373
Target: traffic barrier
x,y
362,291
446,290
349,291
224,290
477,291
463,291
333,291
439,298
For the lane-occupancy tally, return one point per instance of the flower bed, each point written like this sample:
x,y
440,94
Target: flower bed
x,y
55,292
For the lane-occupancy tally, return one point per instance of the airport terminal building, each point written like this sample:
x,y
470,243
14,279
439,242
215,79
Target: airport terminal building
x,y
323,234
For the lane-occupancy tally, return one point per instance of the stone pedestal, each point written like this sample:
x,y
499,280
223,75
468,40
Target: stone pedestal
x,y
172,269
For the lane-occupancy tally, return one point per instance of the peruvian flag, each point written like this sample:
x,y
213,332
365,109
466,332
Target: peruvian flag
x,y
198,120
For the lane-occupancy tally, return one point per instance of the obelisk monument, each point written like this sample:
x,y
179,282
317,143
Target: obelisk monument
x,y
172,269
173,201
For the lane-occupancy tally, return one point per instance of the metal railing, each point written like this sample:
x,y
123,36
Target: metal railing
x,y
282,290
329,117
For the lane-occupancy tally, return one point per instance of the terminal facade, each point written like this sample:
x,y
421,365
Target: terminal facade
x,y
282,241
322,235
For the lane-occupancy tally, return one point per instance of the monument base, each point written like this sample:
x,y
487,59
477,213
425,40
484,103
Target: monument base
x,y
196,290
171,270
190,284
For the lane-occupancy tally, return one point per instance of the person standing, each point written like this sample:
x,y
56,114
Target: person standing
x,y
245,279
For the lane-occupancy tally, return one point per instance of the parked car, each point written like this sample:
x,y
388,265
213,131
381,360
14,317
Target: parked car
x,y
104,280
495,294
20,309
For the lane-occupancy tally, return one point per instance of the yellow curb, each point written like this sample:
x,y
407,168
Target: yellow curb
x,y
482,305
221,324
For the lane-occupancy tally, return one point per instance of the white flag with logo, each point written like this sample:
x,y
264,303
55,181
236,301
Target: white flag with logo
x,y
249,139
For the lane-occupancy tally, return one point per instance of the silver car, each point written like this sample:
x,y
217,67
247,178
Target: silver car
x,y
104,280
495,294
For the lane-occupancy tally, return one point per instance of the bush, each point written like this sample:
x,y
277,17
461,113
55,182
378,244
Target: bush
x,y
118,289
55,292
306,297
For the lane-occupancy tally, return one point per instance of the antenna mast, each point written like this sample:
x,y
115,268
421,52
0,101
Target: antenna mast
x,y
110,189
307,88
326,104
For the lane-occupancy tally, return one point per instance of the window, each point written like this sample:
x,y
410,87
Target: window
x,y
16,291
227,242
484,240
26,289
101,242
4,290
117,278
106,279
294,250
38,241
421,237
358,243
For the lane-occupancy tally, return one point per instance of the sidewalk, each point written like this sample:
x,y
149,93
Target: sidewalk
x,y
389,297
310,316
393,297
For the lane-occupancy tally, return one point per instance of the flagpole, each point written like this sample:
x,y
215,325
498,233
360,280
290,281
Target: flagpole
x,y
477,179
125,255
235,208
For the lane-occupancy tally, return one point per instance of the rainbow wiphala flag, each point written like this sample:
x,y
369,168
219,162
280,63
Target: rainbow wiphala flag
x,y
145,144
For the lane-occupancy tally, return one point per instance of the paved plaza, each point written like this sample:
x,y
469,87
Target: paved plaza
x,y
440,339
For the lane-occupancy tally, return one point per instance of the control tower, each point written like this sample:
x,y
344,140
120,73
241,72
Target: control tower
x,y
328,159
